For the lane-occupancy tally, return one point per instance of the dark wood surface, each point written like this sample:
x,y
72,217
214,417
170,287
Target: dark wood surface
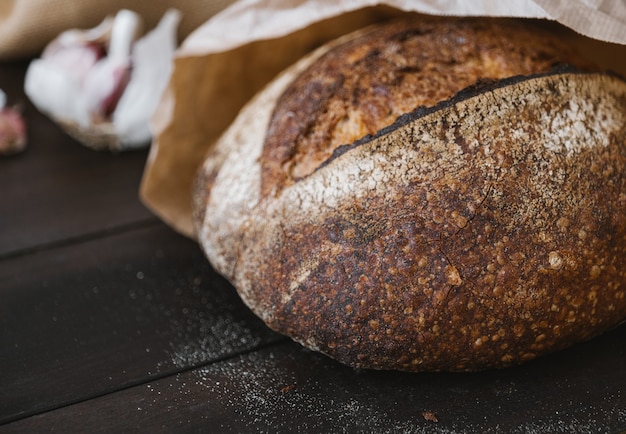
x,y
112,322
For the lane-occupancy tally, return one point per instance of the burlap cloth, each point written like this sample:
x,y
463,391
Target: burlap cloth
x,y
26,26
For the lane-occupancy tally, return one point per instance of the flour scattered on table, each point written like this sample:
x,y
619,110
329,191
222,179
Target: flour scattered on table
x,y
260,389
288,390
210,331
271,390
202,340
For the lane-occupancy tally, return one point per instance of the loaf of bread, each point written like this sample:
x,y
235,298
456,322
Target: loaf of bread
x,y
428,194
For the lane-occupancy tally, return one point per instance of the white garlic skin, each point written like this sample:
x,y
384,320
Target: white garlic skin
x,y
102,85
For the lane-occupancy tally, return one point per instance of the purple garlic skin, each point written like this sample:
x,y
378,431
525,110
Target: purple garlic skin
x,y
12,129
102,85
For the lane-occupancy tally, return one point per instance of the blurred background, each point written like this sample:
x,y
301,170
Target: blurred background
x,y
26,26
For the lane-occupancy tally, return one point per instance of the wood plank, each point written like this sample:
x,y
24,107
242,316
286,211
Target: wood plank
x,y
284,388
58,189
88,319
111,322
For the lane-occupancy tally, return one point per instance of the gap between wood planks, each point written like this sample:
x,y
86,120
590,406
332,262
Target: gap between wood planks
x,y
82,238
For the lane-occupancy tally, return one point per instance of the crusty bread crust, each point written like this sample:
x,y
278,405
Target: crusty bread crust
x,y
364,84
481,232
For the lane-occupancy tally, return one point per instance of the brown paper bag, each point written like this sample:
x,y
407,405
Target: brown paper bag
x,y
232,56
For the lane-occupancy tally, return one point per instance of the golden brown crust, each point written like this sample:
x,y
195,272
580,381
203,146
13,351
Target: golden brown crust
x,y
476,251
480,233
364,84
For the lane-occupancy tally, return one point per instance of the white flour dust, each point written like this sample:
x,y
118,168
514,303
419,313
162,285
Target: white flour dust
x,y
266,396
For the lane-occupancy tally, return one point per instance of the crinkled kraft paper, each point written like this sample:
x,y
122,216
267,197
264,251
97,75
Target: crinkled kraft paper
x,y
220,66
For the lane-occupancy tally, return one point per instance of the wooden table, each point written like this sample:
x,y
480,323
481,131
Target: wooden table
x,y
112,322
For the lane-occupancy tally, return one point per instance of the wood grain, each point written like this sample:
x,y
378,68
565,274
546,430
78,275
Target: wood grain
x,y
58,189
96,317
285,388
112,322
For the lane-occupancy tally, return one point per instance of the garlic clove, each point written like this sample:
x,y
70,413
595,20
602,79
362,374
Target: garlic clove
x,y
77,51
105,82
12,129
83,77
61,83
152,67
55,92
104,85
76,61
126,29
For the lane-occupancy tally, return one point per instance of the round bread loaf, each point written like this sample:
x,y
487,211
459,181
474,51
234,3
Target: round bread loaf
x,y
426,194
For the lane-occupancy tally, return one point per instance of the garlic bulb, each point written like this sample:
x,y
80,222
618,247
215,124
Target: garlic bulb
x,y
12,128
103,84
